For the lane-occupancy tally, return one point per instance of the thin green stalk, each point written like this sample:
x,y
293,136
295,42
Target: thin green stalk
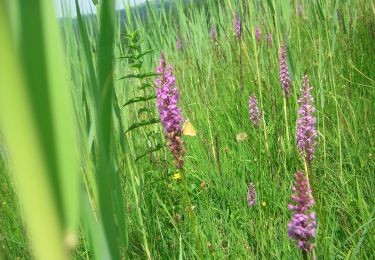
x,y
265,132
286,121
333,82
191,213
139,211
241,66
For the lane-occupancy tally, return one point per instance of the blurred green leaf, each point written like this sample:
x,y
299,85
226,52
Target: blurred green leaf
x,y
139,76
144,110
64,120
145,85
136,65
138,99
143,123
143,54
106,173
127,57
23,133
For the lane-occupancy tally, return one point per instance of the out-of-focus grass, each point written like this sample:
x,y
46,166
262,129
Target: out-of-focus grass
x,y
136,209
42,158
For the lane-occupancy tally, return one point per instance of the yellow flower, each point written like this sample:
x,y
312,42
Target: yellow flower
x,y
177,176
264,204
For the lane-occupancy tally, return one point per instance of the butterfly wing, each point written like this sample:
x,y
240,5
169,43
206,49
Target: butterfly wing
x,y
188,129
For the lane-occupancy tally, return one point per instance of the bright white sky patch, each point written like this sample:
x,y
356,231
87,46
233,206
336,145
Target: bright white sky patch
x,y
86,6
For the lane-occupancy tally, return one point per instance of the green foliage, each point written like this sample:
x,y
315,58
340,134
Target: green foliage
x,y
146,115
117,196
44,162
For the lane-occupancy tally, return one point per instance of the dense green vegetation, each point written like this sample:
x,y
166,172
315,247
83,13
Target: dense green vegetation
x,y
85,169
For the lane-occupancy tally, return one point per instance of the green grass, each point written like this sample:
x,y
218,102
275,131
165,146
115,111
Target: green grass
x,y
68,163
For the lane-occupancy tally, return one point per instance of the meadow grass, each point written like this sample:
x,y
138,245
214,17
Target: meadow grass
x,y
114,204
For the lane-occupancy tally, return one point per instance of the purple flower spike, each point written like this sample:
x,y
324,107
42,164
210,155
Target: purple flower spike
x,y
170,114
285,81
306,132
178,43
302,226
251,195
237,26
269,39
213,32
258,34
254,113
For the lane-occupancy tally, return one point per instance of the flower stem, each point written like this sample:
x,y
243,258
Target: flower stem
x,y
307,168
261,96
241,67
286,122
191,214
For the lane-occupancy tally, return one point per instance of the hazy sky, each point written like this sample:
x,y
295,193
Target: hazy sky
x,y
86,5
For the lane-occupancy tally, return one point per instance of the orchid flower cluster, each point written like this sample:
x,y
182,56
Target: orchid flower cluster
x,y
251,195
302,226
170,114
237,26
258,34
254,113
285,81
306,132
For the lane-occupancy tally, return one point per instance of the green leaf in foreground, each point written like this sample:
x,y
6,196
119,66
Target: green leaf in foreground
x,y
106,173
143,123
139,76
25,148
138,99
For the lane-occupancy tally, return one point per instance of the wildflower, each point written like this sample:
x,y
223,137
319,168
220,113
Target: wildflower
x,y
240,137
302,225
213,32
178,43
237,26
253,110
264,204
306,132
269,39
285,81
251,195
258,34
170,114
177,176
